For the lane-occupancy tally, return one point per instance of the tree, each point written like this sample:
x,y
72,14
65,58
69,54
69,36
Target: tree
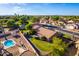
x,y
11,23
19,23
23,18
6,17
33,19
1,22
55,18
28,26
30,32
59,47
74,18
15,17
29,29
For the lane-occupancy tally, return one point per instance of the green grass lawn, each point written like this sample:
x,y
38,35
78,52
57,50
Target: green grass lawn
x,y
42,45
67,36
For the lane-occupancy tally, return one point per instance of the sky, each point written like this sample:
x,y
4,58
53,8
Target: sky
x,y
39,9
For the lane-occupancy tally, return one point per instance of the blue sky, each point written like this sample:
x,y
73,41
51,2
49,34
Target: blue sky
x,y
40,8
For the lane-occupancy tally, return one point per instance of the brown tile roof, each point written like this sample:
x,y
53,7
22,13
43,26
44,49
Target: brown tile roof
x,y
44,32
13,50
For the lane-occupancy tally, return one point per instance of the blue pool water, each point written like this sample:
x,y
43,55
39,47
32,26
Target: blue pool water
x,y
9,43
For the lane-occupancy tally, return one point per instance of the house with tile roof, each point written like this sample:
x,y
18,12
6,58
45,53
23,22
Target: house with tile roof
x,y
43,32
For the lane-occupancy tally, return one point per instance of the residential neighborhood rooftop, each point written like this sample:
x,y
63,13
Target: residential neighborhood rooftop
x,y
44,32
22,45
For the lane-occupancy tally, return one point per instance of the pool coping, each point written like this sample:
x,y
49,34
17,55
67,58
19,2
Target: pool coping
x,y
5,47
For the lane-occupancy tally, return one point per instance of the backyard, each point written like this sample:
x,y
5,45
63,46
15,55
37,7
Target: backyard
x,y
57,47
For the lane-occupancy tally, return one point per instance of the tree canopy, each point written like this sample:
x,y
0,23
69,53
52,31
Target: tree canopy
x,y
59,47
55,17
11,23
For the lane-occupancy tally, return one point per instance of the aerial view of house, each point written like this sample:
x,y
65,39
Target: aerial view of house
x,y
26,34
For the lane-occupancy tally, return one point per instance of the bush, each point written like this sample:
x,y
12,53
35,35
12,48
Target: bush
x,y
67,36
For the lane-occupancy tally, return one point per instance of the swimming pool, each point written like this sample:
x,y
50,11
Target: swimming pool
x,y
8,43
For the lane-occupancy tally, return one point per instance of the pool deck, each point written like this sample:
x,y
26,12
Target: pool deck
x,y
5,47
22,44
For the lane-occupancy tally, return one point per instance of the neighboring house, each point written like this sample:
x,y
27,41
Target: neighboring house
x,y
41,31
43,21
63,20
52,22
47,21
70,22
71,26
61,24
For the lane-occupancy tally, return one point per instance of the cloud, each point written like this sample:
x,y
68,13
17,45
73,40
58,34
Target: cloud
x,y
18,9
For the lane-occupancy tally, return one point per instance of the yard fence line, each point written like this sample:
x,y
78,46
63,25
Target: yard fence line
x,y
29,43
